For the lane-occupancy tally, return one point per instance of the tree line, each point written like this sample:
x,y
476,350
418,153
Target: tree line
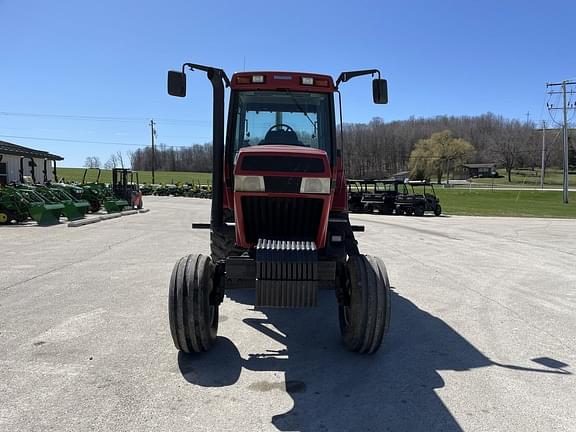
x,y
196,158
381,149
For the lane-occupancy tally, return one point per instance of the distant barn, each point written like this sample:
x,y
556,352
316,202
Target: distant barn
x,y
17,162
481,170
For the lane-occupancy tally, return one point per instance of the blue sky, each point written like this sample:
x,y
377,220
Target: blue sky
x,y
108,59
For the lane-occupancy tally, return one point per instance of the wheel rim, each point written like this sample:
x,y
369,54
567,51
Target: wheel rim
x,y
3,218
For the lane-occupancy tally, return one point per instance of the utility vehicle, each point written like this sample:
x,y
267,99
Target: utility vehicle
x,y
418,197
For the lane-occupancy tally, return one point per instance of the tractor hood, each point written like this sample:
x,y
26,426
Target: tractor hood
x,y
282,160
281,192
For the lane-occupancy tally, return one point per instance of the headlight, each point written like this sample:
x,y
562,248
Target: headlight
x,y
248,183
314,185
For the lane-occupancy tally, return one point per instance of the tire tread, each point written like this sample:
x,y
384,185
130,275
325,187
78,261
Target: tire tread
x,y
369,305
188,304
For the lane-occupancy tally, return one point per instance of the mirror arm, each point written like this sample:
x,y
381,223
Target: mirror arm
x,y
209,70
346,76
217,78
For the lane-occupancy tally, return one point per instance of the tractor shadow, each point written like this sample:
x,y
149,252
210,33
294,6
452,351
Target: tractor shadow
x,y
336,390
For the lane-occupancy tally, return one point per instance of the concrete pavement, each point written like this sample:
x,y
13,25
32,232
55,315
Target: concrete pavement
x,y
483,333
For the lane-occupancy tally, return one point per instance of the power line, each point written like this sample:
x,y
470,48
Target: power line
x,y
72,140
68,140
103,118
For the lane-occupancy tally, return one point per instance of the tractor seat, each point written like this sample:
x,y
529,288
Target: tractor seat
x,y
281,137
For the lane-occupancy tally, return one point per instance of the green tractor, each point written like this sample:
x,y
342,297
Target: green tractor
x,y
94,192
74,209
13,208
21,200
98,195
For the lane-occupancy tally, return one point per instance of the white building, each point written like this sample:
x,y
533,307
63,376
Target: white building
x,y
17,162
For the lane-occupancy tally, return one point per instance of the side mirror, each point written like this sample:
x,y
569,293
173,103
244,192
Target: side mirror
x,y
380,91
176,83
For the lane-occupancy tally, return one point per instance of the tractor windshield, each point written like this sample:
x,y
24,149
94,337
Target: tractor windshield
x,y
282,117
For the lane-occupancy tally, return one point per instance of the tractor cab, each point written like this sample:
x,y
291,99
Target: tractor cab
x,y
279,216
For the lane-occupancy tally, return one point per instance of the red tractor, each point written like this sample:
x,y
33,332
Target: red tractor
x,y
279,218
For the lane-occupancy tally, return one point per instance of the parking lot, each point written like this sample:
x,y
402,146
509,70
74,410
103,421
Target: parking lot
x,y
483,333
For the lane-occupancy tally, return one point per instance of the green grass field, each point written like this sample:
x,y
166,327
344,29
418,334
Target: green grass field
x,y
525,177
454,201
163,177
506,203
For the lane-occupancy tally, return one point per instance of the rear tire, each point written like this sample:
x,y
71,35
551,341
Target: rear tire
x,y
366,319
193,320
438,210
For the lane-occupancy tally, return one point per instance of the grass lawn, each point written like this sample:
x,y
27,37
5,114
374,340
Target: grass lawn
x,y
528,178
454,201
164,177
506,203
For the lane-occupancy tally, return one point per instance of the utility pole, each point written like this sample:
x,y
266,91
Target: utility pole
x,y
543,168
565,109
153,135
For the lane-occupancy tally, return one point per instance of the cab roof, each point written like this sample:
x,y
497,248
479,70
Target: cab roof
x,y
295,81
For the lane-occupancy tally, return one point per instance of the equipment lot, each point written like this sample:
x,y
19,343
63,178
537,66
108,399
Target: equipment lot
x,y
483,333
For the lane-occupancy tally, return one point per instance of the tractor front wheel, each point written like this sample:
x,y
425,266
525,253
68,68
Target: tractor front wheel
x,y
5,218
193,317
365,316
95,206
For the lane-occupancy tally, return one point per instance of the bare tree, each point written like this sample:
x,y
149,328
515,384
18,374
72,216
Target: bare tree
x,y
92,162
119,159
510,146
115,161
111,162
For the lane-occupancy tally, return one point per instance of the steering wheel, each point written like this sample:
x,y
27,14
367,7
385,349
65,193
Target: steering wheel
x,y
282,127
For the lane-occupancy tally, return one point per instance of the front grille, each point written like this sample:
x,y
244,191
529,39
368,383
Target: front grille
x,y
283,164
281,218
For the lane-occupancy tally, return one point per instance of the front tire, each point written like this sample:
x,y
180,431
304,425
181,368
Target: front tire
x,y
95,206
438,210
193,319
366,317
5,218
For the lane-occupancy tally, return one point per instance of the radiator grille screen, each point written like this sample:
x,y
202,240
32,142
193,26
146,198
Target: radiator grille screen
x,y
281,218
